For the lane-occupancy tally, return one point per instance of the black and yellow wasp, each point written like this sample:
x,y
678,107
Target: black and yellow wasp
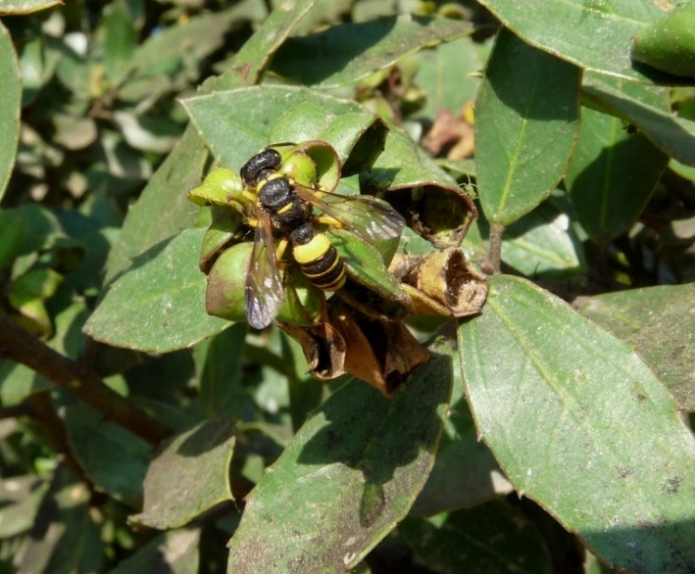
x,y
282,213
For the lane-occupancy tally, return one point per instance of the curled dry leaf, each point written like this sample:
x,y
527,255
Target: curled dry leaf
x,y
381,352
324,348
442,283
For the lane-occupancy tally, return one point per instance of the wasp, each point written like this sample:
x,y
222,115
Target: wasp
x,y
283,216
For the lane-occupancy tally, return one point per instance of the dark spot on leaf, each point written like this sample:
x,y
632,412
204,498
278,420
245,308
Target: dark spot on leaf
x,y
641,398
674,485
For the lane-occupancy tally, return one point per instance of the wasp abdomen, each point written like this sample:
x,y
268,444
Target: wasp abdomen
x,y
317,258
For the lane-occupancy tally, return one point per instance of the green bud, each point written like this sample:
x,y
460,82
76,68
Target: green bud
x,y
221,187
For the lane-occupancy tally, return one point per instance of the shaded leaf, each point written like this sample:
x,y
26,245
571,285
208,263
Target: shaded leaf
x,y
158,305
189,475
174,552
10,99
595,35
673,134
114,459
493,538
658,321
348,475
218,363
573,414
65,539
613,173
344,54
526,121
17,513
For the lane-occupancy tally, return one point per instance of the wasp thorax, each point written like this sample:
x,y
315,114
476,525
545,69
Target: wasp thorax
x,y
260,166
302,234
276,194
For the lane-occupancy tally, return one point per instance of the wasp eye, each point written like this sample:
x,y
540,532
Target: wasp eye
x,y
259,166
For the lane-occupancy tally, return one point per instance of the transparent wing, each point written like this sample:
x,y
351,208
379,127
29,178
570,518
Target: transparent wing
x,y
370,218
263,292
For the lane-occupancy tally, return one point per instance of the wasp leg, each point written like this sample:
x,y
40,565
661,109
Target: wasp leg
x,y
328,220
280,252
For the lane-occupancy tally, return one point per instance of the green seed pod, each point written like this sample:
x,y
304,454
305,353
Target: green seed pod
x,y
221,187
226,287
299,167
669,44
226,281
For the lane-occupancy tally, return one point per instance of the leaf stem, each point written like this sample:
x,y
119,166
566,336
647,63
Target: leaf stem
x,y
494,254
22,347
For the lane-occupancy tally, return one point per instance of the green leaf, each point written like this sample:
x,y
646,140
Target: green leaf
x,y
252,59
581,425
17,7
218,363
673,134
119,41
189,476
366,265
526,122
613,173
357,137
344,54
165,193
247,117
174,552
493,538
10,100
350,473
543,244
112,458
444,76
465,473
594,34
158,305
659,323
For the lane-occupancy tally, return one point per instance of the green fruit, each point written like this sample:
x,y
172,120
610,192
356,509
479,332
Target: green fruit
x,y
669,44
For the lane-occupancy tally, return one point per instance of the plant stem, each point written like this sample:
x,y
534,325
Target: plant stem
x,y
22,347
494,254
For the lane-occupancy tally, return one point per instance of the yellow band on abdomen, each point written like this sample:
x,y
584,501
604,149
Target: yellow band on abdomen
x,y
313,250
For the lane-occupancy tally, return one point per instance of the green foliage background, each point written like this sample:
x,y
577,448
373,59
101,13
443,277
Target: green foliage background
x,y
548,434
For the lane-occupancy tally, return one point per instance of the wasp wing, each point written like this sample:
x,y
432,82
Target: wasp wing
x,y
263,292
372,219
